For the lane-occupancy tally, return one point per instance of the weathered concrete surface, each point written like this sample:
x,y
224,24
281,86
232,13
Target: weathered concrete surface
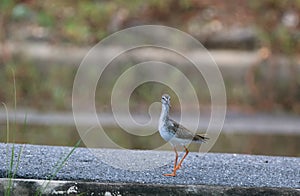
x,y
219,173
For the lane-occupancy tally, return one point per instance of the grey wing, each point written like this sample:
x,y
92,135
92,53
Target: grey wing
x,y
181,131
184,133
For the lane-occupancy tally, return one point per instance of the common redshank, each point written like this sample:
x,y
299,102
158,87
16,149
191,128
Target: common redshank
x,y
175,134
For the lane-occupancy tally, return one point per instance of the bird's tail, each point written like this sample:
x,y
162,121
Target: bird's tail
x,y
201,138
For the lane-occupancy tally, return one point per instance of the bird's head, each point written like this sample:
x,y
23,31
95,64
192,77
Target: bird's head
x,y
165,99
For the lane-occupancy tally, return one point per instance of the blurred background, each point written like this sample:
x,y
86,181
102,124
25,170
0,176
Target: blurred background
x,y
255,44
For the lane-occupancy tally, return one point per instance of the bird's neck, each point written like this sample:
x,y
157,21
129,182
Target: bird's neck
x,y
164,113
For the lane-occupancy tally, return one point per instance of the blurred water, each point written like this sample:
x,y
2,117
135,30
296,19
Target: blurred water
x,y
248,143
251,134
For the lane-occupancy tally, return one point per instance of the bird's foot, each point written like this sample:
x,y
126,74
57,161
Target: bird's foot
x,y
172,174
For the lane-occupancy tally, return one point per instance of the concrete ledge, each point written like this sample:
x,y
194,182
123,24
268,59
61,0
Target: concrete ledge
x,y
31,187
225,174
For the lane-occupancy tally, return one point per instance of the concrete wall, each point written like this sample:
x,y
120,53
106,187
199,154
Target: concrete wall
x,y
97,171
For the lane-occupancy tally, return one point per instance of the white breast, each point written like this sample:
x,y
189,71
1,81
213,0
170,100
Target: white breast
x,y
165,134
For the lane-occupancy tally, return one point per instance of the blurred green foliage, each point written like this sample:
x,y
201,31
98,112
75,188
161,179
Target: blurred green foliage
x,y
274,81
278,24
48,89
87,22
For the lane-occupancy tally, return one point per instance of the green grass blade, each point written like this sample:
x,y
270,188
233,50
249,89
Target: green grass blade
x,y
18,161
9,161
15,94
7,137
21,150
15,105
7,122
59,165
57,168
10,171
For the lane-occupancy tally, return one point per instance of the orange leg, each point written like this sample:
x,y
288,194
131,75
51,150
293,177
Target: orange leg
x,y
175,165
186,153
